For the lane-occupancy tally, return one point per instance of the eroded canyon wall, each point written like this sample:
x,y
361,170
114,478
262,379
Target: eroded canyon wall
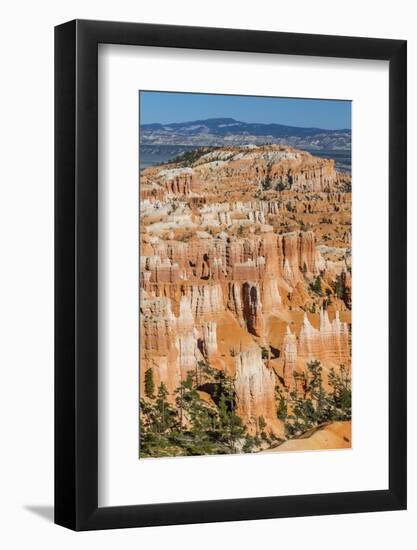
x,y
239,240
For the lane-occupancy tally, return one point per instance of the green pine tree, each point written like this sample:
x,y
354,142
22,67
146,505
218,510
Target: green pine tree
x,y
149,384
316,286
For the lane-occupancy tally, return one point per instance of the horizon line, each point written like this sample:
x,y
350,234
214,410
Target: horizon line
x,y
246,122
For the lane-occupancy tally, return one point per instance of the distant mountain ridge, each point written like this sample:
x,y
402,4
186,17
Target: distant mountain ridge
x,y
228,131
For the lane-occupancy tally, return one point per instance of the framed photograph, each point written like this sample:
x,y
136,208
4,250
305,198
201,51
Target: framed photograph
x,y
230,247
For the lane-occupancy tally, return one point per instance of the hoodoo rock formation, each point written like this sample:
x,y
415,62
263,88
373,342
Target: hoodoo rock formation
x,y
245,269
290,354
328,343
255,392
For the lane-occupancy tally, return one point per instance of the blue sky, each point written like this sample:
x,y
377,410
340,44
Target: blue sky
x,y
166,107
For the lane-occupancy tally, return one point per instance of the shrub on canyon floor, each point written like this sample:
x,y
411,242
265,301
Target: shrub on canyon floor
x,y
282,404
193,426
340,290
315,406
316,286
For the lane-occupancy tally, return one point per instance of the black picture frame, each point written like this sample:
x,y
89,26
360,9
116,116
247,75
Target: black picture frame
x,y
76,272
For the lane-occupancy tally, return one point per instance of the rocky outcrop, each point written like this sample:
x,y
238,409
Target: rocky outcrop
x,y
272,303
209,340
310,341
255,392
186,338
298,256
290,354
158,325
266,258
329,343
335,339
273,166
315,177
159,342
177,181
152,192
206,300
252,308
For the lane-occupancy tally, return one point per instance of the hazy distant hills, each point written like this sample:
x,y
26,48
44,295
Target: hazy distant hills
x,y
228,131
